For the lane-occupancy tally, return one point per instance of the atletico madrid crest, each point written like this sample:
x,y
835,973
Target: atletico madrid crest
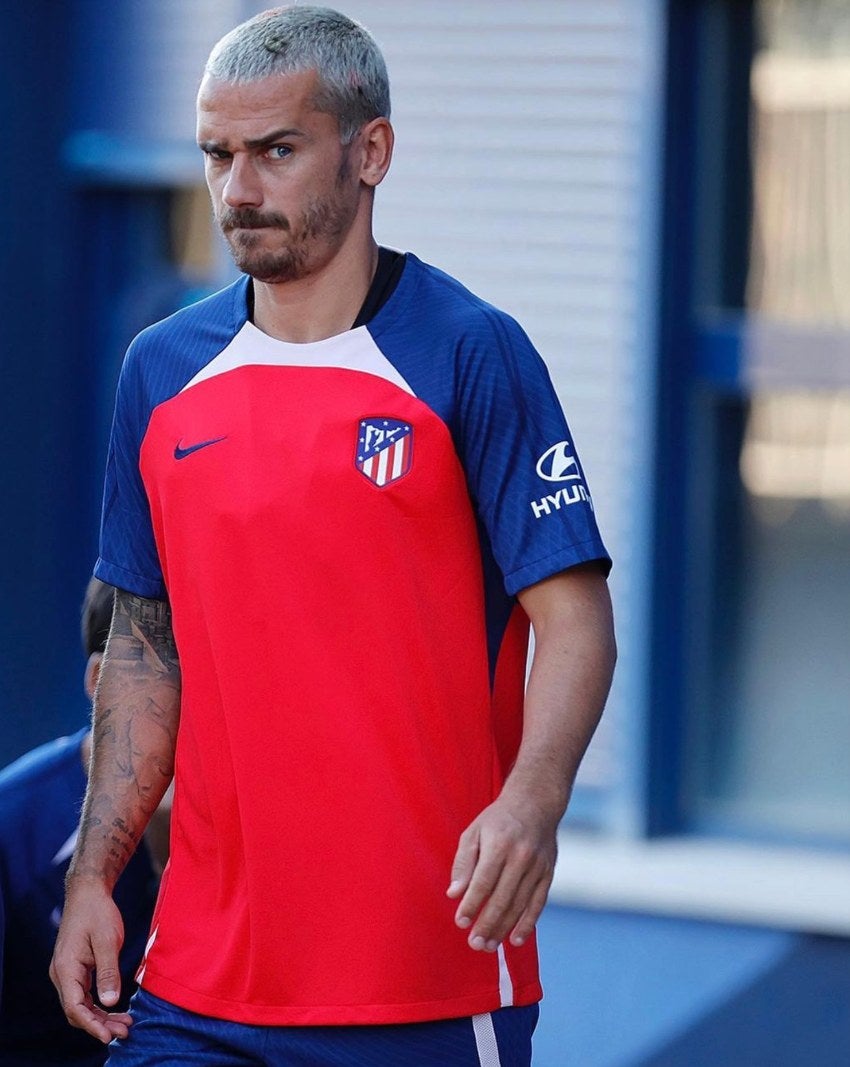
x,y
384,449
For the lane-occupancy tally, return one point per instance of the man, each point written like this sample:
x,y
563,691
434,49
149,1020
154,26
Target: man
x,y
328,510
40,798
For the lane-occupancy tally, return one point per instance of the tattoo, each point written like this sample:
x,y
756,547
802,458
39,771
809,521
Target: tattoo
x,y
119,824
123,840
136,713
147,625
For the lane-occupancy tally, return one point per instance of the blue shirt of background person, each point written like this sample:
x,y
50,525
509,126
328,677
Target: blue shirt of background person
x,y
40,799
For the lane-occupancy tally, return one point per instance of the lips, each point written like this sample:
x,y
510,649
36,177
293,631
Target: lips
x,y
230,229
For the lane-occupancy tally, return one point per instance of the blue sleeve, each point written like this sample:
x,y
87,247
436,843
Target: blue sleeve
x,y
521,464
128,558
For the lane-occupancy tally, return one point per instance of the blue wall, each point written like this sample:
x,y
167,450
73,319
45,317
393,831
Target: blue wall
x,y
45,408
86,265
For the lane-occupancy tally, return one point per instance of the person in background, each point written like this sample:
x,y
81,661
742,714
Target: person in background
x,y
40,799
337,493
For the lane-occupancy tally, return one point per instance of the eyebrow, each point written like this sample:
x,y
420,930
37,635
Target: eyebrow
x,y
259,142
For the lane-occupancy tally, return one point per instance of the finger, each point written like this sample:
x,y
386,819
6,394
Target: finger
x,y
481,885
506,904
115,1024
464,862
528,920
118,1023
106,970
72,985
107,1027
86,1016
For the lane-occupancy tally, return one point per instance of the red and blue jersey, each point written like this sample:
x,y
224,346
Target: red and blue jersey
x,y
341,528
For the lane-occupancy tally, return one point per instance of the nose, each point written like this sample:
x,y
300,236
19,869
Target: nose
x,y
242,186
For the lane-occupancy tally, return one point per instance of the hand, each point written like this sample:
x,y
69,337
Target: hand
x,y
90,937
503,869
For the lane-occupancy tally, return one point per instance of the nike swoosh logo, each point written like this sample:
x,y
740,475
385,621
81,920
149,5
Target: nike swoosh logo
x,y
182,453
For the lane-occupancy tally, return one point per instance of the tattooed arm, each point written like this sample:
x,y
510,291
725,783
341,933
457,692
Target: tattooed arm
x,y
136,712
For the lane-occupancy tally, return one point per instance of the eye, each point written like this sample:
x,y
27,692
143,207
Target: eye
x,y
217,154
278,151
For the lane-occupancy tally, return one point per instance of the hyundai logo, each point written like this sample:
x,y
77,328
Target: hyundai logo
x,y
557,464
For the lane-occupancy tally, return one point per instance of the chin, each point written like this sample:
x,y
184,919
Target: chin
x,y
275,273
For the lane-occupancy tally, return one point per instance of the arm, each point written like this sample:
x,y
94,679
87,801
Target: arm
x,y
506,857
136,712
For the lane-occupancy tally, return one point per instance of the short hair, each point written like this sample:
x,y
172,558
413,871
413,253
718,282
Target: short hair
x,y
354,85
96,615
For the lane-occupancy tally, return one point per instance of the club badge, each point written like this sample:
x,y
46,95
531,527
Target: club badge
x,y
384,449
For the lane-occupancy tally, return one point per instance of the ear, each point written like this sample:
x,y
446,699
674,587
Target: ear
x,y
92,674
377,139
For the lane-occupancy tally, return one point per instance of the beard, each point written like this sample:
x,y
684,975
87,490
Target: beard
x,y
320,225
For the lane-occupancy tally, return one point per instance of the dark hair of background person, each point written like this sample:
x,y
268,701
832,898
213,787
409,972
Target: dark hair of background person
x,y
96,615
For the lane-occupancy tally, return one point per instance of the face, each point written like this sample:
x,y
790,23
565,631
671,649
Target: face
x,y
283,188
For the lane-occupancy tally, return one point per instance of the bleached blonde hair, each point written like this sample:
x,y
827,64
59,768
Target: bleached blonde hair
x,y
354,85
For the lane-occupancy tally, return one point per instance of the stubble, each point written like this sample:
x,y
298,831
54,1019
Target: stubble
x,y
322,223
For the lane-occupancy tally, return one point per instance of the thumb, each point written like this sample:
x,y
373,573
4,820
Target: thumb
x,y
108,975
464,862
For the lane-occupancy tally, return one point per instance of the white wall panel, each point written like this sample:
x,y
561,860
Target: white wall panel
x,y
527,164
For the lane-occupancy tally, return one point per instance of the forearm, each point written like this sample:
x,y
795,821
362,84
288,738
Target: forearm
x,y
135,718
572,667
506,857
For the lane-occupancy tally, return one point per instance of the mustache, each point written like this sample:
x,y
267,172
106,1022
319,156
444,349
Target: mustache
x,y
249,218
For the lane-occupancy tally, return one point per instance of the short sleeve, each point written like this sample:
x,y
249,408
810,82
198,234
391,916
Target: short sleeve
x,y
128,558
521,463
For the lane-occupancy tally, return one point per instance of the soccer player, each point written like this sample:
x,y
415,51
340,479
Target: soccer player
x,y
337,492
40,798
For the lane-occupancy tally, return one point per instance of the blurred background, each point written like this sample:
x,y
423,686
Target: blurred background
x,y
659,192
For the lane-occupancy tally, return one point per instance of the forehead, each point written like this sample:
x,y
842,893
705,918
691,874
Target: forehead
x,y
242,112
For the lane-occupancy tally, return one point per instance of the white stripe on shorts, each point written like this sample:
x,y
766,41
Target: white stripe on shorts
x,y
485,1040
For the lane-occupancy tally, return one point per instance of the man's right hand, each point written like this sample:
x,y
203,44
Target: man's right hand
x,y
89,939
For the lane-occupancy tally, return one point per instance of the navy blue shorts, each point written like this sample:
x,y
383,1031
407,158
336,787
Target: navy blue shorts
x,y
164,1034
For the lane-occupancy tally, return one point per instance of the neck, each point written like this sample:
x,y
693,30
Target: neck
x,y
322,304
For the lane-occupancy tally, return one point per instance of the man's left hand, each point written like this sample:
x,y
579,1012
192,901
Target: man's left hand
x,y
502,871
